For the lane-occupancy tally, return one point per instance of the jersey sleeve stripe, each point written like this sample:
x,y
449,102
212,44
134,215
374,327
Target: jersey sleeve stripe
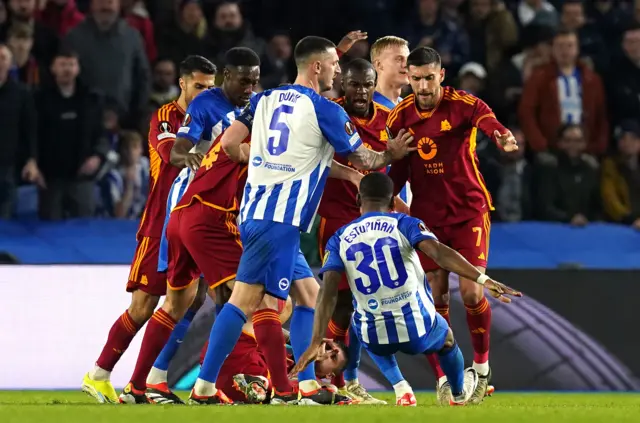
x,y
472,150
483,117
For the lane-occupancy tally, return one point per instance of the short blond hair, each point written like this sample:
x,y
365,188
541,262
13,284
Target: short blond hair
x,y
384,43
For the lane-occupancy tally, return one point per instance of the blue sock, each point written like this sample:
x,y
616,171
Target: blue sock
x,y
355,349
172,345
452,364
301,330
224,334
219,309
388,366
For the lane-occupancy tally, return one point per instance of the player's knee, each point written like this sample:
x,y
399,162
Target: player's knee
x,y
305,292
449,341
177,302
142,306
247,297
471,294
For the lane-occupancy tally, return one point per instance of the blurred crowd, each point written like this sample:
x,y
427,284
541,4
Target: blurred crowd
x,y
80,78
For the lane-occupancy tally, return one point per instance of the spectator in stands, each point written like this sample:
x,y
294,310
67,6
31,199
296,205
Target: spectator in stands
x,y
536,12
185,34
277,66
124,189
25,67
509,179
230,30
164,88
608,17
428,28
472,78
592,48
620,183
567,181
69,142
492,32
60,16
136,15
506,82
3,21
18,143
564,92
624,79
112,58
45,41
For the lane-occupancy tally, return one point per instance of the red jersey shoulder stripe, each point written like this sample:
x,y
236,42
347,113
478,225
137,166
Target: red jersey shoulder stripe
x,y
393,116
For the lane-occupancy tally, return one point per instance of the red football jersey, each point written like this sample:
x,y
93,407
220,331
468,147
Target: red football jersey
x,y
217,182
339,199
162,134
445,179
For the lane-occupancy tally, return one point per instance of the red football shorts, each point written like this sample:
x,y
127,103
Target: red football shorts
x,y
245,358
327,228
144,273
202,240
469,238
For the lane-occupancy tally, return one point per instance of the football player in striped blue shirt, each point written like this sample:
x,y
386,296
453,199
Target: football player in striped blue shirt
x,y
394,309
294,134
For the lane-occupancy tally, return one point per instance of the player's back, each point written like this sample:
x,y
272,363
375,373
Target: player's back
x,y
162,129
292,146
392,299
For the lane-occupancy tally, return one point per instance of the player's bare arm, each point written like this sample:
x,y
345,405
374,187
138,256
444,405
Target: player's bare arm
x,y
397,148
349,40
325,305
452,261
340,171
181,156
400,206
231,141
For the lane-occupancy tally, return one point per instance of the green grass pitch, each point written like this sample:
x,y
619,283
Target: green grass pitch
x,y
76,407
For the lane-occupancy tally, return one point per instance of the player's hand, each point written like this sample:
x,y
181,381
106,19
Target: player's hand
x,y
636,224
400,206
398,147
315,352
350,39
90,166
193,160
579,220
500,291
507,141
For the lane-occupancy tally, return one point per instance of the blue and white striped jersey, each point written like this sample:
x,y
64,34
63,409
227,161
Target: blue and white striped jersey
x,y
294,134
112,189
392,299
207,116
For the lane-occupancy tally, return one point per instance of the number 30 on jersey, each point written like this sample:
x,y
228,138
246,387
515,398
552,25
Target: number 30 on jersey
x,y
377,253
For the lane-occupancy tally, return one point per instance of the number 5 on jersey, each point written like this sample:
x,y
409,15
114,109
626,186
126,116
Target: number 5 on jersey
x,y
277,144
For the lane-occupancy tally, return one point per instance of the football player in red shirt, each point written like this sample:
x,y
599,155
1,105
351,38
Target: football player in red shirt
x,y
449,194
145,283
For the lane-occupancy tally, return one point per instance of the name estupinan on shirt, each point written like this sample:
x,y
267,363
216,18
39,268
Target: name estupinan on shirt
x,y
377,225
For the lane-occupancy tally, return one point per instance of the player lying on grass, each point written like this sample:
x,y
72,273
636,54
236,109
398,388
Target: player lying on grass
x,y
393,302
245,376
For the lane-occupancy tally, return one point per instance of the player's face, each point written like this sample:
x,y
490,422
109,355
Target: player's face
x,y
328,68
240,82
331,365
358,91
425,81
392,65
194,84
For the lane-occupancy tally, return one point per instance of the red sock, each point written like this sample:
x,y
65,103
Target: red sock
x,y
203,352
338,334
122,332
268,331
479,322
434,362
155,337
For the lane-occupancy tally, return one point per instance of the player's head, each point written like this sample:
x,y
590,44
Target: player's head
x,y
376,193
359,84
389,57
317,59
425,76
241,74
335,363
196,75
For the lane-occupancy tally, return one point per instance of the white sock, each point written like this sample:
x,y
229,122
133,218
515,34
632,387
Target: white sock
x,y
441,380
203,388
99,374
156,376
481,368
402,388
308,385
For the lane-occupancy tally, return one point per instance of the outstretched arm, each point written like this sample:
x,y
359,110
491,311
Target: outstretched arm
x,y
397,148
180,155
